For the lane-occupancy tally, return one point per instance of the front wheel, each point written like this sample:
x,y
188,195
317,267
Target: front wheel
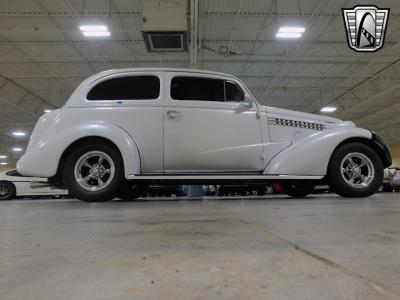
x,y
298,190
94,172
355,170
7,190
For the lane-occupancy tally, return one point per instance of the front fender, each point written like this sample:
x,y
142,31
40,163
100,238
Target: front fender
x,y
42,158
311,155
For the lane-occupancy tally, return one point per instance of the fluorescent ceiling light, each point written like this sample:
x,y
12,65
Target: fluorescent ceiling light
x,y
3,164
93,28
288,35
47,110
96,33
19,133
292,29
328,109
3,156
17,149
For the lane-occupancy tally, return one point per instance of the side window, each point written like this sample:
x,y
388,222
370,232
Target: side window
x,y
197,88
233,92
127,88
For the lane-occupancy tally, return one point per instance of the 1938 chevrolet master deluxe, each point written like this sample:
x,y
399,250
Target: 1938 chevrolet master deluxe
x,y
123,129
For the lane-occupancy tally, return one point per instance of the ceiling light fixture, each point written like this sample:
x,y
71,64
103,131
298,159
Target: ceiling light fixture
x,y
328,109
286,32
96,33
94,30
17,149
3,156
3,163
47,110
292,29
288,35
18,133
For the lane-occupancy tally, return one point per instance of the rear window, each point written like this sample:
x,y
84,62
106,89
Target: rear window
x,y
197,88
127,88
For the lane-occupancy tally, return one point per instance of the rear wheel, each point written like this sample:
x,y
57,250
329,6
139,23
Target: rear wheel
x,y
7,190
355,170
94,173
298,190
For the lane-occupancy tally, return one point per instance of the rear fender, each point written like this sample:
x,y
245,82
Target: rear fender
x,y
47,152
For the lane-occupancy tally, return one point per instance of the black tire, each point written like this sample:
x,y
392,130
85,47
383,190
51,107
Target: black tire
x,y
298,190
336,180
7,190
132,190
110,191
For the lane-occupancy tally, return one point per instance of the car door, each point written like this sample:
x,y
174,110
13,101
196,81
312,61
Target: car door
x,y
207,129
134,101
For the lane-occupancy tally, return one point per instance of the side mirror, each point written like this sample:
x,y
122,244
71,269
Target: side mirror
x,y
246,104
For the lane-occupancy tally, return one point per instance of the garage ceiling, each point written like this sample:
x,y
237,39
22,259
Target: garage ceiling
x,y
44,56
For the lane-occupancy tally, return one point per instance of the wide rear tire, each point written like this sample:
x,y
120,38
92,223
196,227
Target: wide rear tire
x,y
94,172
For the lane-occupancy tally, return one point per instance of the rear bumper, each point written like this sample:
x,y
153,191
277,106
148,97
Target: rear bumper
x,y
37,164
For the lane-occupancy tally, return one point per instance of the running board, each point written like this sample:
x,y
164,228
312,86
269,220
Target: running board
x,y
224,177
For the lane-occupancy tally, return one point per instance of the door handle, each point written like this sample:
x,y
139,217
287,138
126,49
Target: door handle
x,y
172,114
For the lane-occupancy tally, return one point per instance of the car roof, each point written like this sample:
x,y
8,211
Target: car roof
x,y
183,70
76,100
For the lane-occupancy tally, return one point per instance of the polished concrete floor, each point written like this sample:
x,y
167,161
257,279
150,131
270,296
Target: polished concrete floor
x,y
323,247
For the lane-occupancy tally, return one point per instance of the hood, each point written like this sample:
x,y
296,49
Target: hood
x,y
308,117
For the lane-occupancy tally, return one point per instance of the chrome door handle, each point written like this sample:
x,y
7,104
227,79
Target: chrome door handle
x,y
172,114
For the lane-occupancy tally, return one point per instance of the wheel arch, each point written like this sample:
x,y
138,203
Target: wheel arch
x,y
376,146
111,134
76,143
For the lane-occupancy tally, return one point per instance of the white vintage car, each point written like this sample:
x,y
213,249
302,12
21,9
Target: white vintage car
x,y
123,129
13,185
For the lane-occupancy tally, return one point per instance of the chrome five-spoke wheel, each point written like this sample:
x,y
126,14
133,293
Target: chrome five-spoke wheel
x,y
357,170
94,170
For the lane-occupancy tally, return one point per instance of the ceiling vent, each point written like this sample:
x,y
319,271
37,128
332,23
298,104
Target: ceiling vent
x,y
165,25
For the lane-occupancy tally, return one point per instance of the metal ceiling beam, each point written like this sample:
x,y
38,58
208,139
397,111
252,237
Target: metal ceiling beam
x,y
277,14
271,75
13,82
68,14
194,33
350,92
128,59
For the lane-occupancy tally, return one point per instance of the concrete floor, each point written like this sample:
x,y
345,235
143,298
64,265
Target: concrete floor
x,y
324,247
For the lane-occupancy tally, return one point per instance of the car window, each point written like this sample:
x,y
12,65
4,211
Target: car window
x,y
197,88
233,92
126,88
